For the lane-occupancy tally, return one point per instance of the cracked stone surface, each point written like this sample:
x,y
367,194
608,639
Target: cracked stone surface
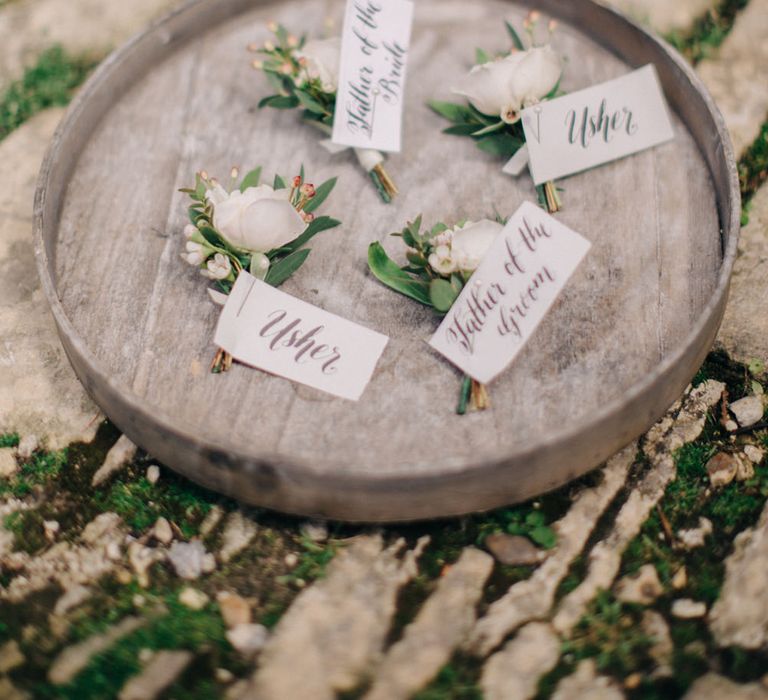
x,y
533,598
744,333
514,671
586,684
41,394
733,73
337,626
162,670
663,439
439,628
715,687
740,615
65,563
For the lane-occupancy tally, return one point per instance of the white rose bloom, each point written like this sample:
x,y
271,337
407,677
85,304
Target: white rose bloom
x,y
472,241
536,75
189,231
195,253
488,87
322,59
259,219
218,267
505,86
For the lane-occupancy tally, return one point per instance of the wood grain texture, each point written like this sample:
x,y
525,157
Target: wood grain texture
x,y
617,348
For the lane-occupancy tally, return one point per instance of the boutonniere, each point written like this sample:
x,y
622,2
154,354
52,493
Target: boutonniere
x,y
251,226
441,261
498,89
305,75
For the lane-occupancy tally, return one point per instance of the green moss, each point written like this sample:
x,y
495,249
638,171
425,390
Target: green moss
x,y
49,83
708,32
753,166
9,440
458,680
38,471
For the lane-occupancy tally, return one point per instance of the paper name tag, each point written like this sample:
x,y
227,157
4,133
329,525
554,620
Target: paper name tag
x,y
506,298
374,57
273,331
597,125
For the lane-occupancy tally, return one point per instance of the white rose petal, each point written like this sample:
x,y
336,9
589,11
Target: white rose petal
x,y
259,219
472,241
322,58
218,268
536,75
216,195
488,87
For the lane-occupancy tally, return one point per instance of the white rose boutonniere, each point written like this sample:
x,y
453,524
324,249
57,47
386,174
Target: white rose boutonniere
x,y
499,88
252,226
304,74
441,260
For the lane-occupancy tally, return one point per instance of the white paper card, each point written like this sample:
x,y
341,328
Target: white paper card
x,y
273,331
597,125
374,57
506,298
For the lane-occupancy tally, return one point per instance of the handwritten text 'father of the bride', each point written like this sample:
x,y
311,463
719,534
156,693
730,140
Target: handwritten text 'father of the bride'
x,y
371,84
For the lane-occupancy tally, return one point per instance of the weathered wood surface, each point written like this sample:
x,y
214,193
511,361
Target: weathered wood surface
x,y
627,335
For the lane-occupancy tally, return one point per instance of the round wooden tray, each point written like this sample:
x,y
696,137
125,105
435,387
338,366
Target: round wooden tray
x,y
627,335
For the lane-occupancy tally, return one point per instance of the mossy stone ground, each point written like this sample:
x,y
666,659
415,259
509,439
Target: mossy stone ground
x,y
284,557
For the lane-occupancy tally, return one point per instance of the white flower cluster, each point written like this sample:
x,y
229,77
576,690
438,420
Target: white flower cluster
x,y
462,248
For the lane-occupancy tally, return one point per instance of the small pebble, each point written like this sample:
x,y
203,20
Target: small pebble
x,y
722,469
162,531
153,474
224,676
693,538
138,601
513,550
234,609
687,609
248,639
145,655
632,681
748,410
291,560
731,426
193,599
51,528
642,588
680,579
8,464
315,531
113,551
754,454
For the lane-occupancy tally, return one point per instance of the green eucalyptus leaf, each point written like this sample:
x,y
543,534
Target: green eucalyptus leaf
x,y
503,145
280,102
309,102
321,223
213,237
456,113
516,41
279,183
481,57
462,129
321,194
283,269
388,273
252,179
442,295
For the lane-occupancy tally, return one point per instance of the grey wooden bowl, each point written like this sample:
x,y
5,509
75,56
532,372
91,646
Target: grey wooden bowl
x,y
628,334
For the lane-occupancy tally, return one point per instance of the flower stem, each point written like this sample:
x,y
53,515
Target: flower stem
x,y
384,184
552,198
222,362
466,390
479,396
